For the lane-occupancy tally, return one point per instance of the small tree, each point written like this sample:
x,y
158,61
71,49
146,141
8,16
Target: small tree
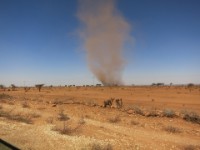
x,y
39,86
13,87
2,86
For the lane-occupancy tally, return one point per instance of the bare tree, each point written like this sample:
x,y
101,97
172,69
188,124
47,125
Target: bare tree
x,y
39,86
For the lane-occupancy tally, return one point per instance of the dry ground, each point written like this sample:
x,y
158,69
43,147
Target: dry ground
x,y
72,118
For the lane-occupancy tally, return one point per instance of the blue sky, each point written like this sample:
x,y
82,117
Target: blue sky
x,y
39,44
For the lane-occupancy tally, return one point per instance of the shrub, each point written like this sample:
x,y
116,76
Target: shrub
x,y
172,129
62,116
169,113
138,110
191,116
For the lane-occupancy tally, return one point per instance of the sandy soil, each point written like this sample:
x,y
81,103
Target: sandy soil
x,y
34,120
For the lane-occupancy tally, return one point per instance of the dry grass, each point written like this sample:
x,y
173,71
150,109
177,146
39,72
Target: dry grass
x,y
191,147
191,116
81,121
153,113
114,119
35,115
172,129
65,130
169,113
5,96
97,146
25,105
133,122
16,117
49,120
62,116
138,110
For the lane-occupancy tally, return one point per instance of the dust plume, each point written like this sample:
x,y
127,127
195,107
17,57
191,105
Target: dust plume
x,y
104,32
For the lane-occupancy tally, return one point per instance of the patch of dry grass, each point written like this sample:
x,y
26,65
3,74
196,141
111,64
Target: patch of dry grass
x,y
25,105
138,110
66,129
97,146
81,121
153,113
172,129
16,117
5,96
62,116
191,147
114,119
50,120
133,122
191,116
169,113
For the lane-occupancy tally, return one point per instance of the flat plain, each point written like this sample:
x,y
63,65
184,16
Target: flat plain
x,y
152,117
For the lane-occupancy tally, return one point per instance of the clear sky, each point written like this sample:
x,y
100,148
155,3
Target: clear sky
x,y
39,44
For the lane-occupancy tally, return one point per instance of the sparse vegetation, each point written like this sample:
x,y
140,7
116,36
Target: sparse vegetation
x,y
172,129
81,121
133,122
26,89
169,113
25,105
16,117
5,96
62,116
152,113
191,116
138,110
114,119
191,147
35,115
65,130
49,120
98,146
92,128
